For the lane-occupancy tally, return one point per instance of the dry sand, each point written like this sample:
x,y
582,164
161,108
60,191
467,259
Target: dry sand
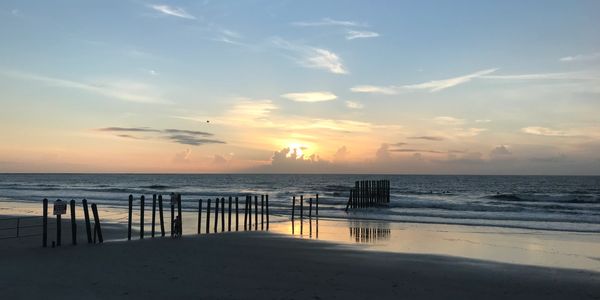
x,y
252,265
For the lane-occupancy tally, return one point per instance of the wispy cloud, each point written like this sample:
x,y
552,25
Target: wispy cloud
x,y
354,105
185,139
328,22
180,136
355,34
581,57
427,138
582,75
310,96
537,130
312,57
446,120
126,90
172,11
431,86
128,129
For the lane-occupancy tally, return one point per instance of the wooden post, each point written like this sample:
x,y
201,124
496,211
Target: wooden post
x,y
236,214
142,209
293,206
199,214
301,213
45,223
262,215
310,208
207,216
172,214
255,212
250,212
349,200
216,214
129,217
97,223
180,224
160,215
267,203
88,226
317,207
246,214
153,213
229,215
73,223
58,230
222,214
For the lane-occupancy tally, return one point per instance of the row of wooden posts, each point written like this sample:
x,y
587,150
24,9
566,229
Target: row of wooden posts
x,y
310,205
97,231
177,227
369,193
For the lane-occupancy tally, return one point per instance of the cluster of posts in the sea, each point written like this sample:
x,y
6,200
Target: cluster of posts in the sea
x,y
177,220
369,193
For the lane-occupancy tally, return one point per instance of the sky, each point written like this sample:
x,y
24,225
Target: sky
x,y
400,87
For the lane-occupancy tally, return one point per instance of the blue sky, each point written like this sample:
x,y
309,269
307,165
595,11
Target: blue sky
x,y
384,86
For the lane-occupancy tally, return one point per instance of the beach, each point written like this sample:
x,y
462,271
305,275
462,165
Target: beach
x,y
271,266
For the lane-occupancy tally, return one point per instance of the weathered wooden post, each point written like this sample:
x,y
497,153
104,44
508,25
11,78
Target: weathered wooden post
x,y
255,212
262,208
199,214
142,209
246,214
58,223
217,200
129,217
153,213
349,200
310,208
180,224
222,214
317,207
250,212
293,206
172,214
208,216
86,215
160,216
301,213
98,230
73,223
45,223
236,214
267,203
229,215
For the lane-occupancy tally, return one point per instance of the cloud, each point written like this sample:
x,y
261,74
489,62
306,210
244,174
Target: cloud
x,y
354,105
445,120
582,75
341,154
129,136
383,153
121,89
192,140
219,160
354,34
172,11
581,57
418,150
536,130
312,57
310,96
431,86
469,132
427,138
483,121
189,132
328,22
500,151
128,129
183,157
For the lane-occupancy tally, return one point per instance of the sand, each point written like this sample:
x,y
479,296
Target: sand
x,y
260,265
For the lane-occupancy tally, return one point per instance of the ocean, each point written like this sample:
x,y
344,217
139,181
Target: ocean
x,y
560,203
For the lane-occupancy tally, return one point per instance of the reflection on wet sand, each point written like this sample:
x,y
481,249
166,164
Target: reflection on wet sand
x,y
362,232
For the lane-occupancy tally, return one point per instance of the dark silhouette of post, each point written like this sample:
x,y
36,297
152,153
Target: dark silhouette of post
x,y
58,229
142,209
262,215
267,203
349,200
97,228
153,213
255,212
310,208
129,217
180,223
301,213
172,214
160,215
199,214
293,206
229,215
222,214
246,214
237,219
317,206
73,223
208,216
249,212
216,214
45,223
88,226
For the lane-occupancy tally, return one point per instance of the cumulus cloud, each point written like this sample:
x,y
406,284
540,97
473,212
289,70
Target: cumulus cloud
x,y
310,96
312,57
500,152
172,11
355,34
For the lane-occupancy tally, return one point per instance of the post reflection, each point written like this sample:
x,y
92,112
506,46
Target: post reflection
x,y
366,232
298,226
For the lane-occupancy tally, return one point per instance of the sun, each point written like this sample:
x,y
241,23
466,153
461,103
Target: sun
x,y
296,146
